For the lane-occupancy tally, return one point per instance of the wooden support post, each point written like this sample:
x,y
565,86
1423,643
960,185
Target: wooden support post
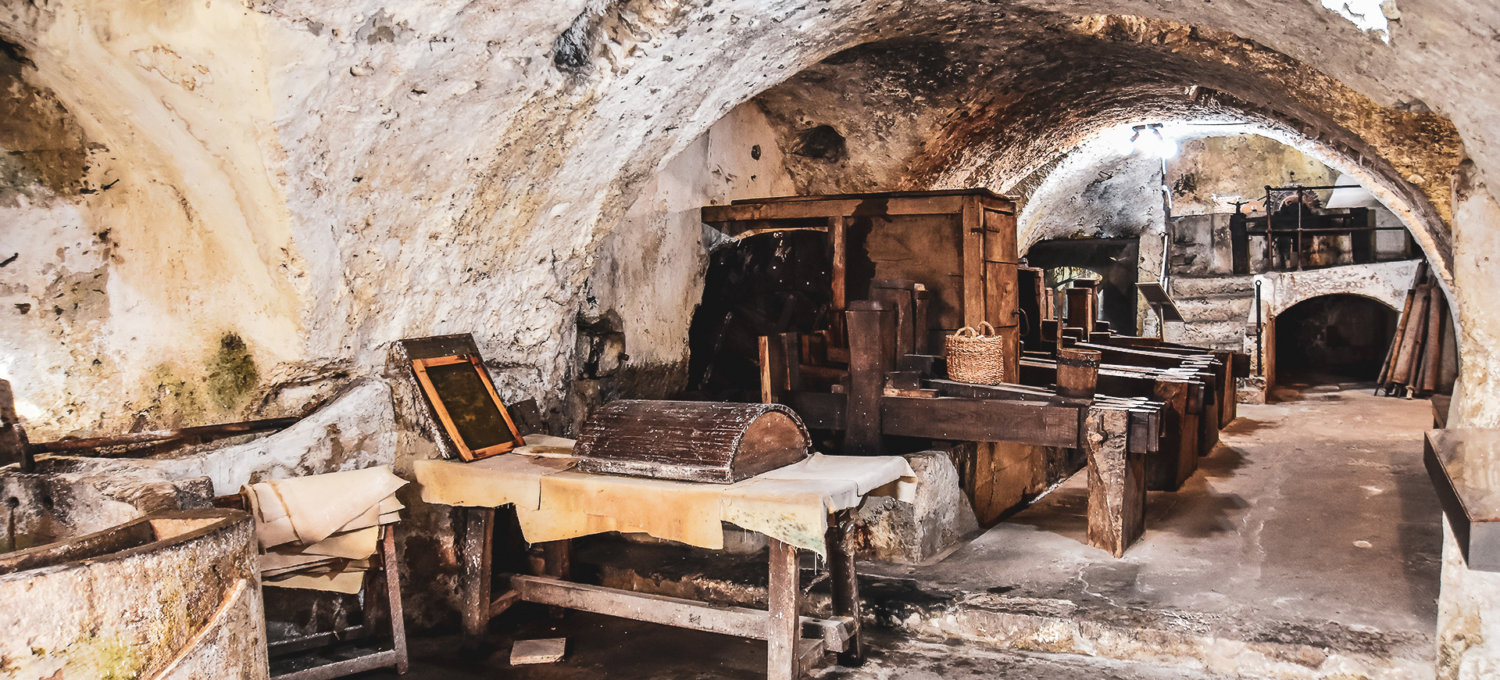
x,y
1179,457
392,574
1117,481
778,358
784,628
896,296
1081,309
845,585
476,552
557,562
869,360
921,301
838,262
972,229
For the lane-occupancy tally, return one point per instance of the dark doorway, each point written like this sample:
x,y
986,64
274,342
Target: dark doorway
x,y
1113,260
1333,338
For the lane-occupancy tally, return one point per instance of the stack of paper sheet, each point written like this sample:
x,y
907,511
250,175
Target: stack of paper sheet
x,y
319,532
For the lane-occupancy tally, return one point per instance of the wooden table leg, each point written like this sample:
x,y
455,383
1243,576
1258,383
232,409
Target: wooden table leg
x,y
476,552
392,571
845,584
557,562
784,631
1117,482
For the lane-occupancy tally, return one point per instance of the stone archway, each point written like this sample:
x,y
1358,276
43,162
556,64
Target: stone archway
x,y
1330,337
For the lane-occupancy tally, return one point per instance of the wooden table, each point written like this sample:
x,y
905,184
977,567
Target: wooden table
x,y
794,642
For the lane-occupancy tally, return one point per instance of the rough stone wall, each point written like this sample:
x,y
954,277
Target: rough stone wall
x,y
1210,173
648,279
1468,621
215,224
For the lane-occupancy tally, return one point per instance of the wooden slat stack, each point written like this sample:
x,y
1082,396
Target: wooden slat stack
x,y
1416,363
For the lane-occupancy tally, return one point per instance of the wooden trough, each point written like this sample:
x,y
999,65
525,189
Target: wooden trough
x,y
691,441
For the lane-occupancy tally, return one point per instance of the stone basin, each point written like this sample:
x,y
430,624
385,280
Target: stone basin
x,y
170,595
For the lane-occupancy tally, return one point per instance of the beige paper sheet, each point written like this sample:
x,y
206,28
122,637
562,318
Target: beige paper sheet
x,y
346,582
317,506
790,504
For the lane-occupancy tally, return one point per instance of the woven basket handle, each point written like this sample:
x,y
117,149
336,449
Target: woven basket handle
x,y
966,332
987,328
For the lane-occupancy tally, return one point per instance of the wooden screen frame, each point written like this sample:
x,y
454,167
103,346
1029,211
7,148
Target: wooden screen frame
x,y
419,366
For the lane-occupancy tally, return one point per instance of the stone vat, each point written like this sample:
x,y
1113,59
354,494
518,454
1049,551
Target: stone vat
x,y
172,595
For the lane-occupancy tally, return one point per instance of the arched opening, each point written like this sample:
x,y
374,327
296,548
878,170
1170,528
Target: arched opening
x,y
1332,339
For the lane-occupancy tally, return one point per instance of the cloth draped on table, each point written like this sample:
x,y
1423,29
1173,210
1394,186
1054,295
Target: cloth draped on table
x,y
554,501
319,532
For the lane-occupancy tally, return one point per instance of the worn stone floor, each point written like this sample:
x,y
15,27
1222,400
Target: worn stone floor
x,y
1307,546
1312,526
600,647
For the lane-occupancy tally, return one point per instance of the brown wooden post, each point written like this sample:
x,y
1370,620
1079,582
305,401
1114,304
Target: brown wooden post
x,y
478,546
1081,309
896,296
845,584
557,562
1179,455
391,569
776,367
838,262
784,627
1117,481
921,301
869,360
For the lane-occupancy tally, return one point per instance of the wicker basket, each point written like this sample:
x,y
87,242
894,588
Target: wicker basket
x,y
975,356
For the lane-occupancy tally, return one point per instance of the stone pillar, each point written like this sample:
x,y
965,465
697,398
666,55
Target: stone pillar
x,y
1148,268
1468,635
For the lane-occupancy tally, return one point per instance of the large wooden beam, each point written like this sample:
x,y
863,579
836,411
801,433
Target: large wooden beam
x,y
871,355
1117,482
982,420
784,625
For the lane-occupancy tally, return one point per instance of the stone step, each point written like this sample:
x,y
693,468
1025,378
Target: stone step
x,y
1218,334
1197,310
1213,286
1216,644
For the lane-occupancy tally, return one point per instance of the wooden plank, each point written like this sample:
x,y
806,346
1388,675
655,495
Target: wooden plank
x,y
783,628
973,263
983,420
722,217
819,410
1432,357
344,668
896,296
660,609
869,361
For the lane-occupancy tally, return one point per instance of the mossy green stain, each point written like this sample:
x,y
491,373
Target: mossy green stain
x,y
232,373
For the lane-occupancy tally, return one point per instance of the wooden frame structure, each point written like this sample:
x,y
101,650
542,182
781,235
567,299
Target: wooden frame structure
x,y
422,366
973,229
395,657
794,642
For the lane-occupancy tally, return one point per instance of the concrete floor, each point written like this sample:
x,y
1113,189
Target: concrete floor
x,y
1317,508
1306,546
